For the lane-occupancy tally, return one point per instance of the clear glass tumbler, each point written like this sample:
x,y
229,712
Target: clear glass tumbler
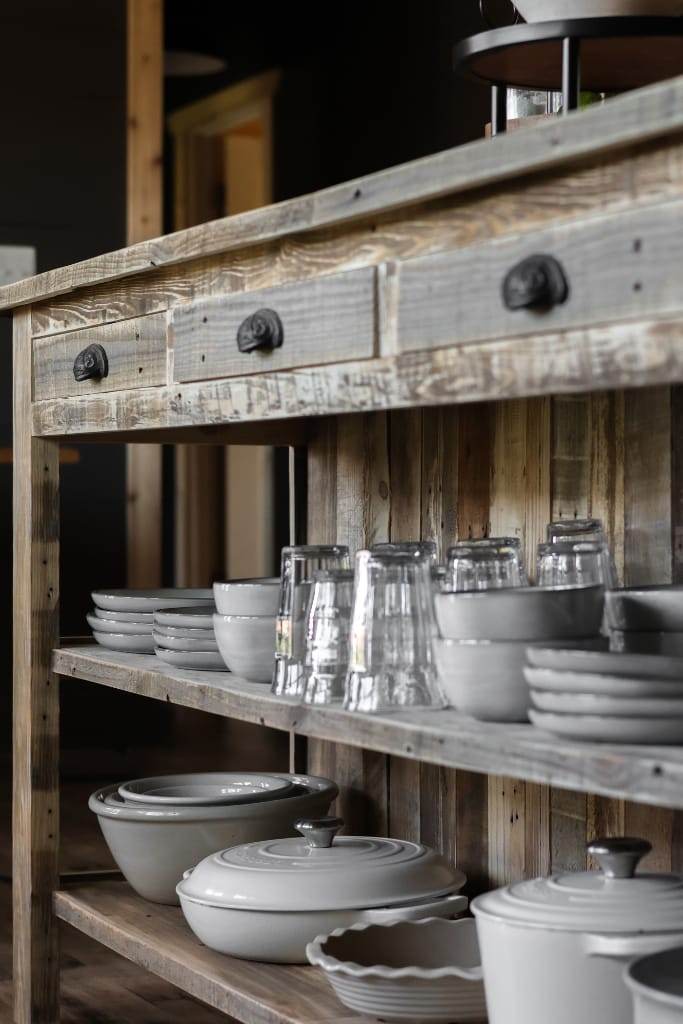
x,y
589,530
486,566
328,619
298,564
571,563
390,643
422,547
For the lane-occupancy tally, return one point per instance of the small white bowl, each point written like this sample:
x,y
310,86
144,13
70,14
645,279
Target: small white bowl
x,y
248,597
645,609
127,642
559,10
247,644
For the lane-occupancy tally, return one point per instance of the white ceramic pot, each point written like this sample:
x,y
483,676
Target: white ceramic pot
x,y
248,597
656,984
554,10
154,846
247,644
562,942
267,901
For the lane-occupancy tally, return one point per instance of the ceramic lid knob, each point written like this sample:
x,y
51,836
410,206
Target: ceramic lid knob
x,y
319,832
618,857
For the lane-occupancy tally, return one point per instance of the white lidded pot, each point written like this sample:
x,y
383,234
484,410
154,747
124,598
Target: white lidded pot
x,y
554,949
267,900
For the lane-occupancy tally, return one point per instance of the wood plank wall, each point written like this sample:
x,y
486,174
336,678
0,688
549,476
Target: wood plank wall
x,y
501,468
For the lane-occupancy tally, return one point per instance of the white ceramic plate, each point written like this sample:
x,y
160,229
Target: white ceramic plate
x,y
670,644
610,729
206,788
601,704
133,644
114,616
112,626
194,660
180,632
181,643
150,600
602,685
186,618
613,663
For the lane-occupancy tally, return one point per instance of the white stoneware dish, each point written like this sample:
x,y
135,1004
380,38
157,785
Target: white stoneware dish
x,y
645,609
205,788
183,633
485,678
131,643
153,846
175,643
248,597
200,617
577,684
521,613
656,984
122,628
610,728
670,644
114,616
150,600
617,663
194,661
600,704
409,971
552,10
267,900
562,942
247,644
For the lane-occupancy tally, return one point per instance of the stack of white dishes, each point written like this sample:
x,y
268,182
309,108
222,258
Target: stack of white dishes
x,y
646,620
184,638
123,620
158,828
481,652
606,696
244,624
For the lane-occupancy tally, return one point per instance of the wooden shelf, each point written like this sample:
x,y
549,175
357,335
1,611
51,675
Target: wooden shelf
x,y
158,939
648,774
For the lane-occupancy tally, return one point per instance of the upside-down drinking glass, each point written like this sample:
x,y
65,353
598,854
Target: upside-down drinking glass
x,y
571,564
390,642
328,619
422,547
486,566
567,530
298,564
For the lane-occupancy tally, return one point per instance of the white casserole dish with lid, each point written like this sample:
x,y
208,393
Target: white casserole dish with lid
x,y
563,941
267,900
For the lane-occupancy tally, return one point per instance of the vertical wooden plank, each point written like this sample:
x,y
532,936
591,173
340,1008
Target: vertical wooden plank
x,y
36,703
144,208
200,514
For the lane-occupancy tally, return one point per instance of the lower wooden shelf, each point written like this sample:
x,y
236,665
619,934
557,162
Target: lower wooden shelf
x,y
158,939
649,774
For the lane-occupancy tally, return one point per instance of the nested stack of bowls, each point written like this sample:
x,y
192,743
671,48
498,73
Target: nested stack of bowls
x,y
123,620
646,620
185,638
244,625
158,828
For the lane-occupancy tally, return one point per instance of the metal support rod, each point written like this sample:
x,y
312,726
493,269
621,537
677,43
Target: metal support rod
x,y
499,114
571,74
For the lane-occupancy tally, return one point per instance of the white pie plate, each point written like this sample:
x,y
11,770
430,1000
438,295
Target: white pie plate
x,y
181,643
150,600
183,633
200,617
110,626
131,643
600,704
114,616
610,729
602,685
617,663
199,661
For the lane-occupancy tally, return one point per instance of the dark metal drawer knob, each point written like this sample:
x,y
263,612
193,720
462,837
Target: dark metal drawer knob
x,y
538,282
91,364
262,330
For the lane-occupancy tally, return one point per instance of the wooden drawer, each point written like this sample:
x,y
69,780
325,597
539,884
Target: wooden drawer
x,y
326,320
617,267
135,351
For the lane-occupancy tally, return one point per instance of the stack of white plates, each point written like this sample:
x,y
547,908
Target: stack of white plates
x,y
123,620
646,620
606,696
185,638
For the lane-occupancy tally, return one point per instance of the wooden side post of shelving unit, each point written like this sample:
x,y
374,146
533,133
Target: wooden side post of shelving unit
x,y
36,703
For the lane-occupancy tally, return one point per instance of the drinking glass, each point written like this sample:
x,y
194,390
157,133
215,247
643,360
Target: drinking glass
x,y
423,547
328,619
588,530
298,564
486,566
390,642
571,563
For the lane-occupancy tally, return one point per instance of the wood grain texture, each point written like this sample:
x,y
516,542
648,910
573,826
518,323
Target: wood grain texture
x,y
136,354
144,133
35,703
637,117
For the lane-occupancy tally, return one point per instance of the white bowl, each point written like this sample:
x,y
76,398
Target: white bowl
x,y
247,644
248,597
153,847
520,613
557,10
647,643
412,971
645,609
181,643
111,626
202,788
129,643
150,600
